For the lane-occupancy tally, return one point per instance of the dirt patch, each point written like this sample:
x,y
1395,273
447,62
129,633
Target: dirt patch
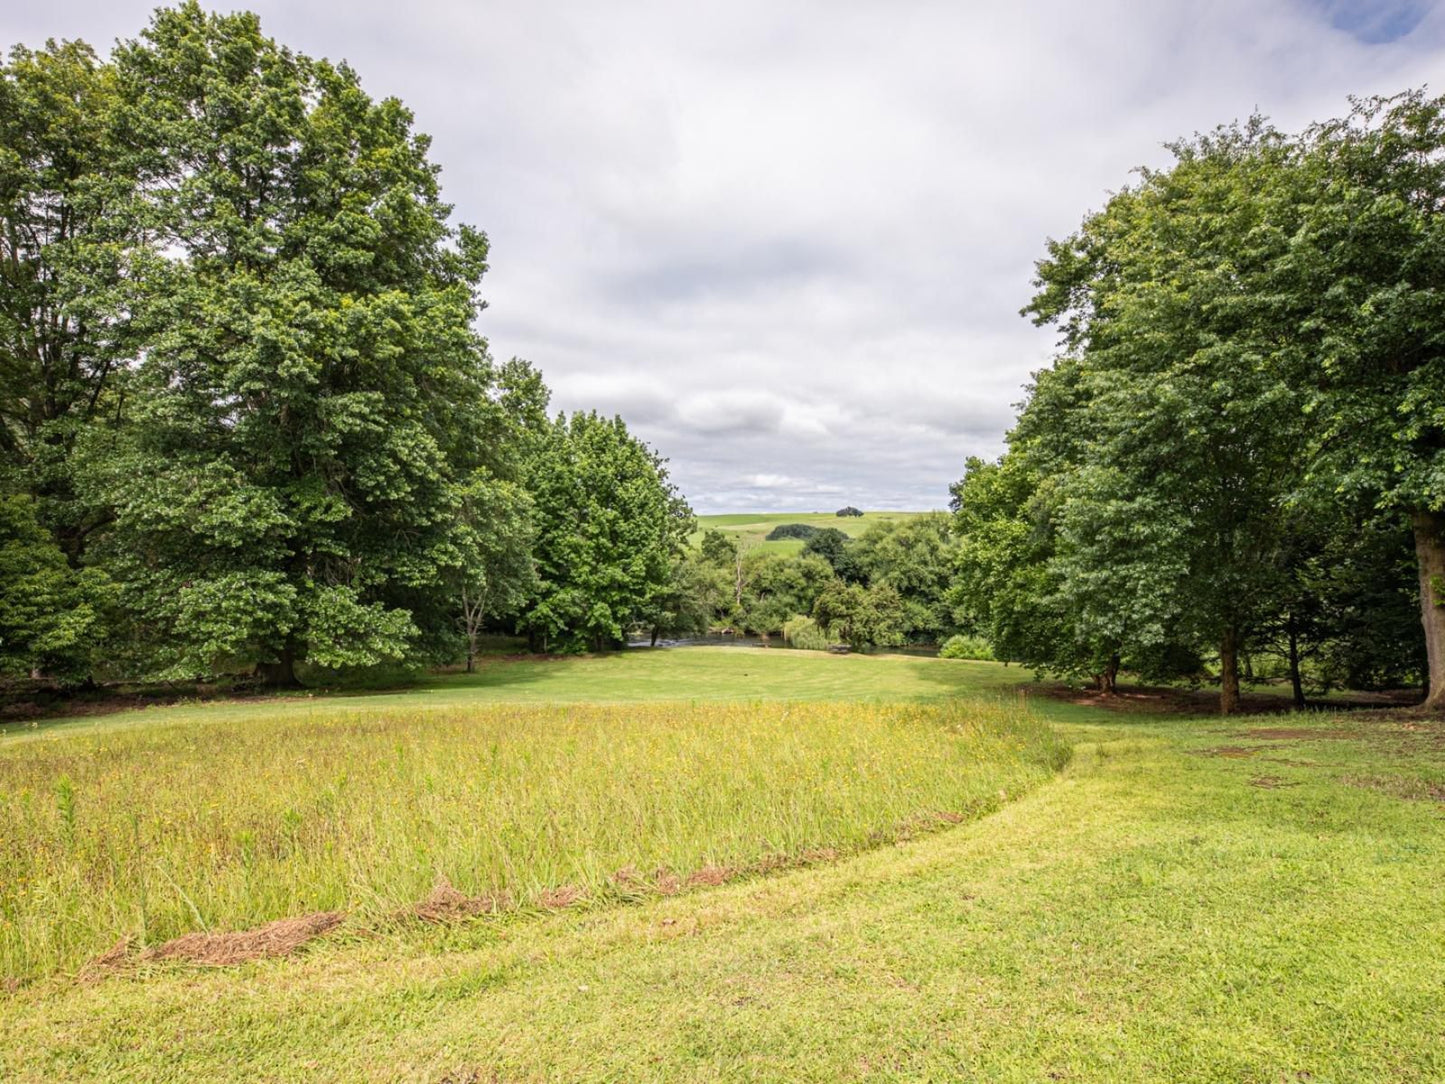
x,y
563,896
1415,790
710,876
666,882
1157,700
446,904
1233,752
279,938
1290,762
1296,733
1271,782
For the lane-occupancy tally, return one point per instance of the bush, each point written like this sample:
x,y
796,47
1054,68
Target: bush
x,y
966,647
849,510
805,633
791,530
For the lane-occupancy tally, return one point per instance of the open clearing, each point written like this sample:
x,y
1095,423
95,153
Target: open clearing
x,y
1189,899
752,528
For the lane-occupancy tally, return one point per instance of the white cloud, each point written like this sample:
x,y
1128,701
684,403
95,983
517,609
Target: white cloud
x,y
789,242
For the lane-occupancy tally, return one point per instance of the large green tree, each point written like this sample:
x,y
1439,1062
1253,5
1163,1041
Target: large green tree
x,y
772,588
1185,438
915,557
312,399
50,613
66,295
1369,258
610,527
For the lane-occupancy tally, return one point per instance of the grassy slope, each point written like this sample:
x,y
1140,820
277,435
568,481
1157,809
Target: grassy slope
x,y
174,829
692,674
1160,912
753,528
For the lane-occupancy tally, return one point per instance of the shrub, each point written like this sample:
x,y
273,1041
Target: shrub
x,y
849,510
805,633
791,530
966,647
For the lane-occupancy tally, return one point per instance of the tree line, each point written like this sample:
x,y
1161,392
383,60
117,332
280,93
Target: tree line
x,y
1240,444
885,588
245,421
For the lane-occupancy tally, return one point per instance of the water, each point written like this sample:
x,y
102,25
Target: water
x,y
712,639
719,639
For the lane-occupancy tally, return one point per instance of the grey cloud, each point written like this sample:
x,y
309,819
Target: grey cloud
x,y
789,242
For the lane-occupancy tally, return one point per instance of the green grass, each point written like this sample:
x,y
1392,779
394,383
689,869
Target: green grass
x,y
752,528
200,820
641,675
1191,899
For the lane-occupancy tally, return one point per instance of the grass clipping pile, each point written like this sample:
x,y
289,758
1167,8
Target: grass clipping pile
x,y
279,938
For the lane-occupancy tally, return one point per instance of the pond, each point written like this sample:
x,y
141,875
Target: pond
x,y
729,639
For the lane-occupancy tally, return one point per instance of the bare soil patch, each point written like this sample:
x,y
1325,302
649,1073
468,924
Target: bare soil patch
x,y
1205,701
446,904
710,876
1296,733
555,899
1233,752
1415,790
1271,782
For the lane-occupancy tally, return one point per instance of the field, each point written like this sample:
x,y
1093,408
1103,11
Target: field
x,y
188,825
752,528
1187,899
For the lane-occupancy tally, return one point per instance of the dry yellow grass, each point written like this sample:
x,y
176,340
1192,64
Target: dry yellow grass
x,y
189,826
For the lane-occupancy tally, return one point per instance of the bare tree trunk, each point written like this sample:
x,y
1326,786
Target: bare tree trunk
x,y
474,609
1105,681
1430,548
1229,672
282,672
1295,680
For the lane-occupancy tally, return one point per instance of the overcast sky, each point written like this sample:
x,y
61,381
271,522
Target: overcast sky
x,y
788,242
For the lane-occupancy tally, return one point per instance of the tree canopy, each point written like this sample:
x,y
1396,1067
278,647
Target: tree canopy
x,y
1249,350
246,421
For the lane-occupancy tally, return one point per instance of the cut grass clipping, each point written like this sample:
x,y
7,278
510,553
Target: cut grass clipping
x,y
195,827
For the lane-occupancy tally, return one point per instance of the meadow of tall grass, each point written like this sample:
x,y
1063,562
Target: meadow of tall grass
x,y
188,824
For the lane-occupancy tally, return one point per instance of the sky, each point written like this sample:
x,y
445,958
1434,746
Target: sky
x,y
789,242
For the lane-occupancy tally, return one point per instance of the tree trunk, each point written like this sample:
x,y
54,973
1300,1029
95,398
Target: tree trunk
x,y
1295,681
1111,674
1229,672
654,636
1430,548
282,672
471,658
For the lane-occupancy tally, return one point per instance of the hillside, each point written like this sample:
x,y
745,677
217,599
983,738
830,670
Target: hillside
x,y
752,528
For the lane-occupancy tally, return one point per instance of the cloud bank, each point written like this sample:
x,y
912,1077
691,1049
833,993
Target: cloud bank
x,y
789,242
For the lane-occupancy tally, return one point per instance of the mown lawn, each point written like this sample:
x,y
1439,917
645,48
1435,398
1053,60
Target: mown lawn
x,y
637,675
1191,899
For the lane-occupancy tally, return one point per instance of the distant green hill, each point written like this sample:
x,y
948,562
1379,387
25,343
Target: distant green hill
x,y
752,528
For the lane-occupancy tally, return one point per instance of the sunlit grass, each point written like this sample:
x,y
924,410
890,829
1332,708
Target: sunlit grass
x,y
202,821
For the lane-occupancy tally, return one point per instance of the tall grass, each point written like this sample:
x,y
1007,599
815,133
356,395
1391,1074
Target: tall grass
x,y
189,825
